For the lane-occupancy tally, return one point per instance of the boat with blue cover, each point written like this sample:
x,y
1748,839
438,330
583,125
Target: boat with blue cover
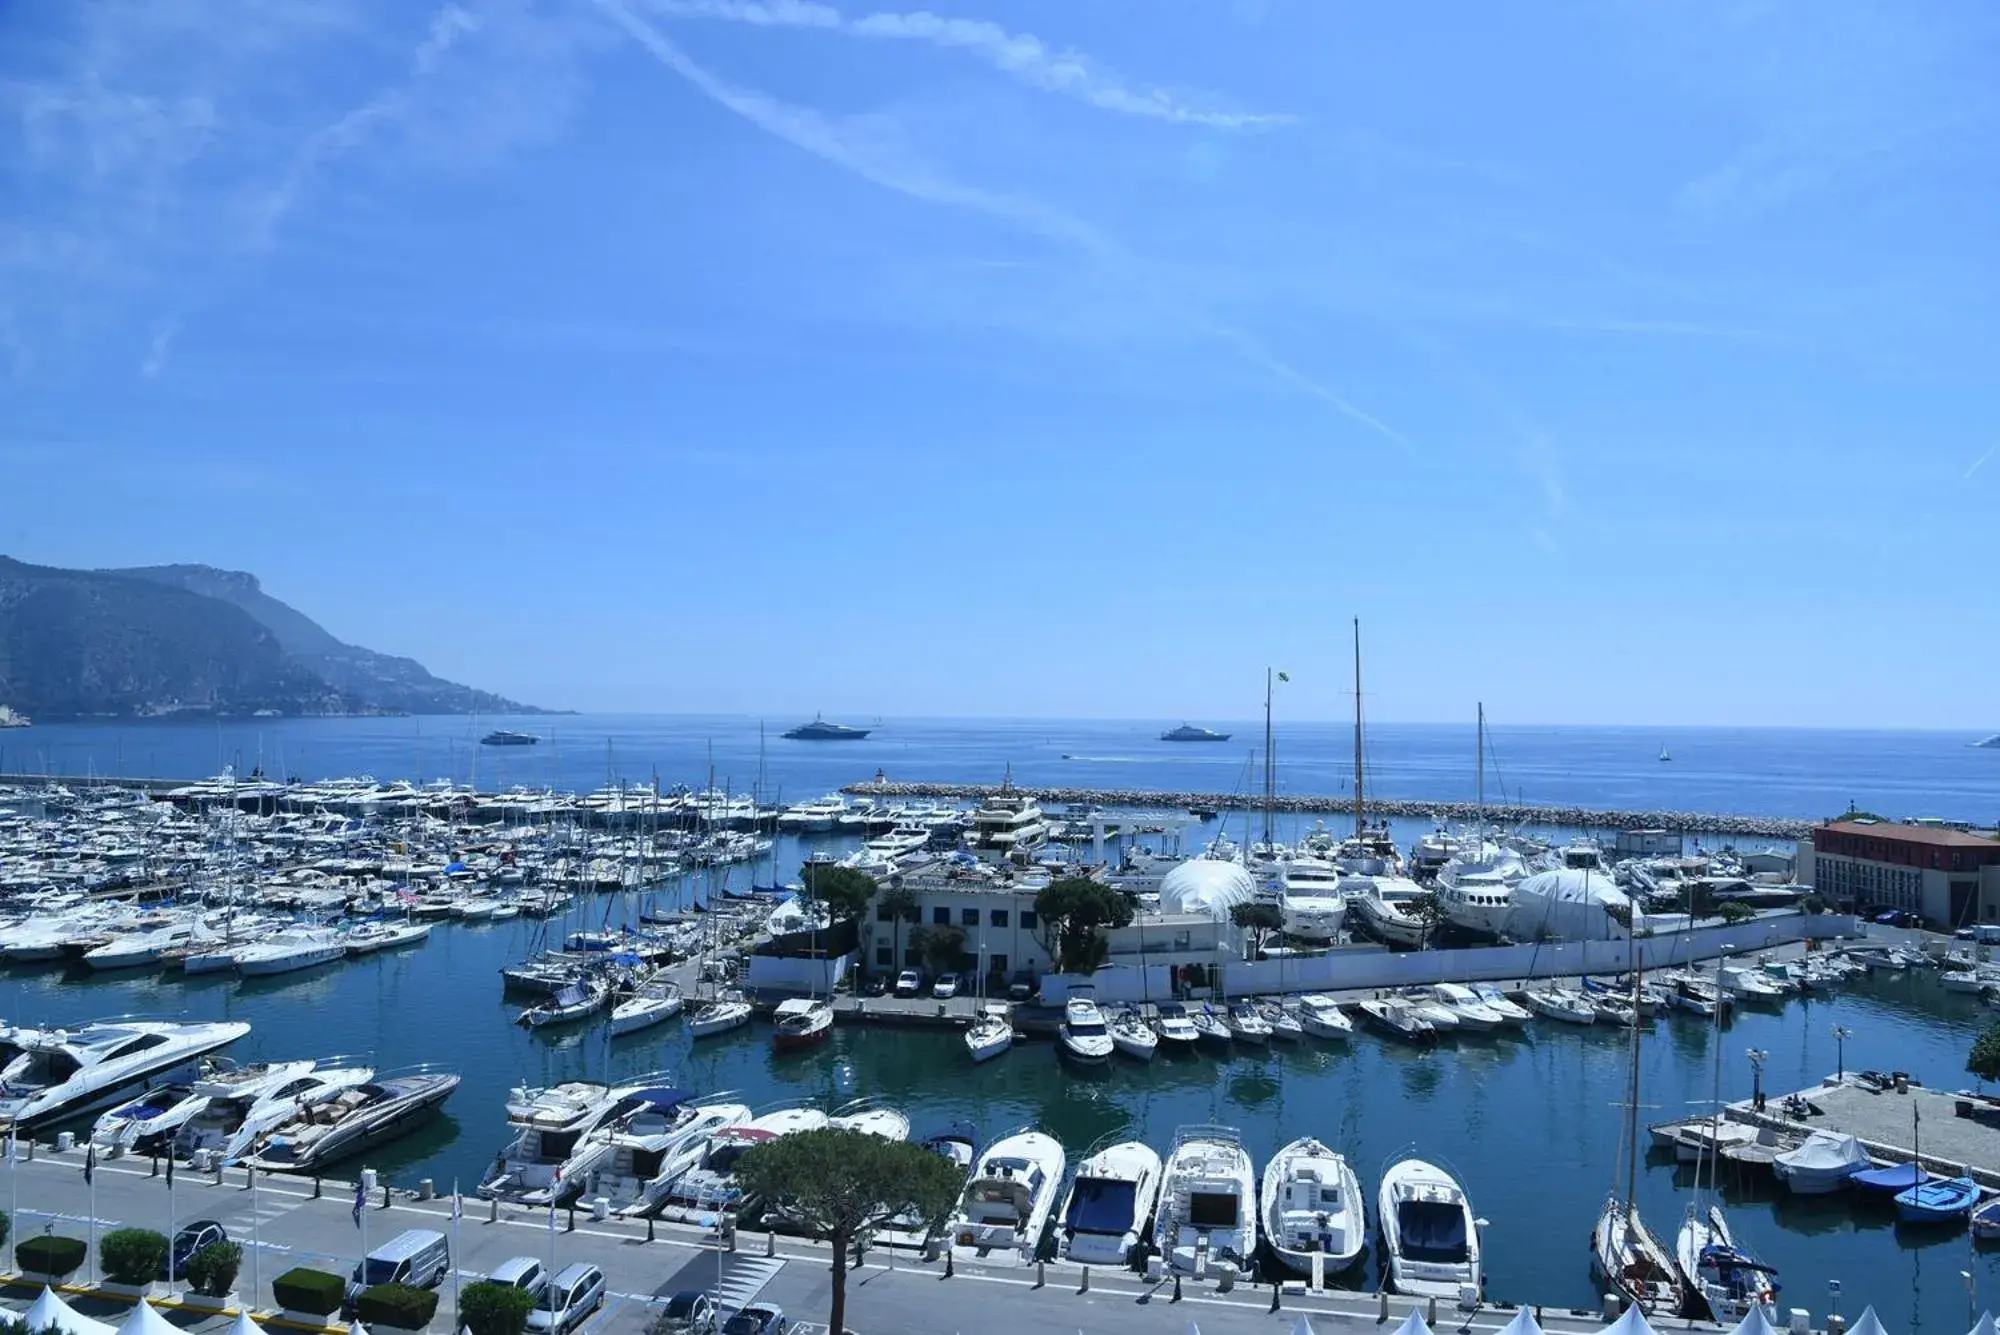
x,y
1940,1201
1893,1180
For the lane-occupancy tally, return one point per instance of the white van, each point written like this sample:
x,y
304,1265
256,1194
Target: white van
x,y
418,1257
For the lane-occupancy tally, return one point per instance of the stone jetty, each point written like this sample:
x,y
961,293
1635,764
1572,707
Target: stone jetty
x,y
1504,813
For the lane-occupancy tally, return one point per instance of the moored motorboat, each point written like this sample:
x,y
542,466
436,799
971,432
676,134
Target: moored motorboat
x,y
1007,1200
802,1022
1430,1239
1083,1036
1209,1027
1940,1201
1133,1037
991,1031
1207,1216
577,1001
369,937
359,1119
290,950
710,1187
1312,1206
1554,1003
46,1074
1397,1020
727,1011
1109,1204
1174,1028
1248,1025
1322,1017
1823,1163
654,1003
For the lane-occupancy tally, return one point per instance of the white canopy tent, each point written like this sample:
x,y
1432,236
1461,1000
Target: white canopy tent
x,y
1524,1323
50,1310
1867,1324
1303,1327
245,1326
1413,1324
1986,1325
1754,1322
1632,1323
145,1321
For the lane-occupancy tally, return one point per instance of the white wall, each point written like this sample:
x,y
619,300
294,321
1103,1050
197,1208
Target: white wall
x,y
798,975
1333,972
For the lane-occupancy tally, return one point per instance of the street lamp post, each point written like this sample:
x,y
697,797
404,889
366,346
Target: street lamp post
x,y
1757,1057
1841,1033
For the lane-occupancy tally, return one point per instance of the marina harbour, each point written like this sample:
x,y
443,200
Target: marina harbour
x,y
1531,1119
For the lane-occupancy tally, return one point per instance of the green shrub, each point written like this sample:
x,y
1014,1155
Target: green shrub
x,y
50,1254
1732,912
397,1305
305,1290
133,1255
6,1227
1813,905
487,1308
211,1271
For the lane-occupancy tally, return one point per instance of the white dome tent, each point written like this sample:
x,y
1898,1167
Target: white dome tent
x,y
1207,886
1569,905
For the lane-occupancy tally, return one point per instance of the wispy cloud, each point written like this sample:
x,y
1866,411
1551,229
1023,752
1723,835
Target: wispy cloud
x,y
1021,56
1979,463
869,148
448,25
155,361
1663,328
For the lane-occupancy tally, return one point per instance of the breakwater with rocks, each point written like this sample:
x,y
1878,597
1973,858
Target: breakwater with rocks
x,y
1505,813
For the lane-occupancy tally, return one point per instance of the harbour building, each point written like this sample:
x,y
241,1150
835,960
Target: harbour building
x,y
1948,877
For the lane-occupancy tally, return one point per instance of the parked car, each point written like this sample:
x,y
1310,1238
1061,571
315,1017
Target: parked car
x,y
189,1240
945,986
877,985
758,1319
568,1300
910,982
521,1272
1023,986
689,1312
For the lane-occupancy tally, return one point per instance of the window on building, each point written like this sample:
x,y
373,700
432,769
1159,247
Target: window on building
x,y
997,918
882,913
999,963
1028,919
941,916
885,957
968,917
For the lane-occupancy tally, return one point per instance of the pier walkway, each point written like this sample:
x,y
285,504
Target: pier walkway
x,y
281,1223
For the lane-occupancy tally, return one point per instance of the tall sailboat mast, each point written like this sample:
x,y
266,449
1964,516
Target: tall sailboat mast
x,y
1360,821
1479,772
1270,771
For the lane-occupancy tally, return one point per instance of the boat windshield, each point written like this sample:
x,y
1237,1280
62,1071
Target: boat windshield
x,y
1099,1205
1432,1231
1086,1028
1213,1209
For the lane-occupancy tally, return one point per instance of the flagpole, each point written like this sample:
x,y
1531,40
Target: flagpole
x,y
457,1209
90,1179
256,1244
170,1211
13,1180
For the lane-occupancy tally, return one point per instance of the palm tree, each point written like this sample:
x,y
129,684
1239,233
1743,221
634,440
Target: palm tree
x,y
900,902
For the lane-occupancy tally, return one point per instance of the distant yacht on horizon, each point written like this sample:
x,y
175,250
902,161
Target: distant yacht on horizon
x,y
1187,733
819,730
1990,743
9,719
506,737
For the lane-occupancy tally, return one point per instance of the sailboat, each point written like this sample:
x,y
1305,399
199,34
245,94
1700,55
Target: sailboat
x,y
1664,757
1626,1253
1728,1281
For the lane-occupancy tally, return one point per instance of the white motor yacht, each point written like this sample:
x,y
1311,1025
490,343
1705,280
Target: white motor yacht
x,y
139,950
1385,906
1311,898
353,1122
1207,1217
1560,1003
991,1032
654,1003
547,1123
291,949
369,937
1176,1030
1133,1037
710,1187
1322,1017
871,1117
1430,1238
1398,1019
1083,1036
1109,1204
650,1138
150,1122
1464,1003
46,1074
1312,1206
956,1145
1475,890
1007,826
1248,1025
1008,1199
1495,999
237,1111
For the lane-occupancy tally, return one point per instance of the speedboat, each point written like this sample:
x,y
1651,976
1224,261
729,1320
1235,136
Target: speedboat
x,y
138,950
711,1187
1386,907
358,1120
47,1074
1285,1026
1312,1205
1322,1017
1940,1201
1443,1018
802,1022
1210,1028
957,1146
1133,1036
1724,1278
369,937
1430,1238
1007,1201
991,1031
1398,1020
1751,985
1176,1032
1207,1217
1109,1205
289,950
726,1012
1559,1003
871,1117
145,1123
1083,1035
1248,1025
548,1122
649,1138
1462,1002
652,1004
237,1111
1495,999
578,1001
1823,1164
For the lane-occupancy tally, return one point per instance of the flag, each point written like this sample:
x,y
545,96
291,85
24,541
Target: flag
x,y
90,1163
457,1204
359,1198
12,1157
1284,676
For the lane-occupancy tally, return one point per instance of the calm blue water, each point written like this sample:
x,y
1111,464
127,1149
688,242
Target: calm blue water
x,y
1761,771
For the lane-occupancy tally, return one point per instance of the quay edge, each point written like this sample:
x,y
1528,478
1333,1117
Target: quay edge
x,y
1513,813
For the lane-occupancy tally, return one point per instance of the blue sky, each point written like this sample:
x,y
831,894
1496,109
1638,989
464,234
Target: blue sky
x,y
1616,362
